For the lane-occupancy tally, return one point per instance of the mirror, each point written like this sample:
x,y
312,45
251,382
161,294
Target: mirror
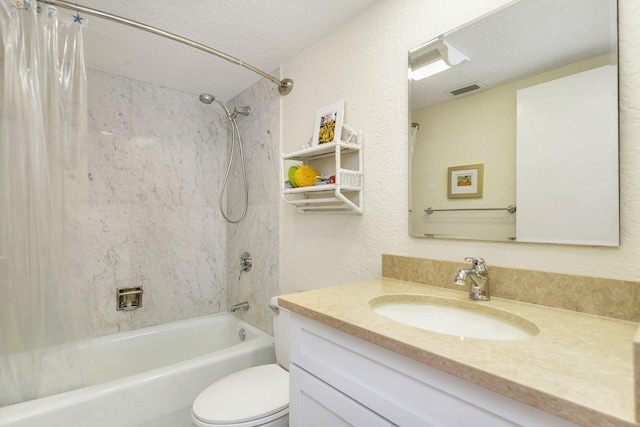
x,y
516,140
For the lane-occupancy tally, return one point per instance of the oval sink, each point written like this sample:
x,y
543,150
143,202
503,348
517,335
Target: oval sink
x,y
452,317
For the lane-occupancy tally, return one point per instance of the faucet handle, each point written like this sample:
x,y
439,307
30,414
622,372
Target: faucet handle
x,y
478,264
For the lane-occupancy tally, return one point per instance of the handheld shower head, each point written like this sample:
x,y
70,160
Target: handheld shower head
x,y
206,98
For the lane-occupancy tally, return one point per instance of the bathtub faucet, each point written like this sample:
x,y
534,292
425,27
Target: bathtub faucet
x,y
244,306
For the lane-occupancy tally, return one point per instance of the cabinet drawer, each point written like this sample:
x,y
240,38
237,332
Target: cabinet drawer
x,y
313,403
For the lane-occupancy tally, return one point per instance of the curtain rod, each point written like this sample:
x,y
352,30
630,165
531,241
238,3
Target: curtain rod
x,y
284,86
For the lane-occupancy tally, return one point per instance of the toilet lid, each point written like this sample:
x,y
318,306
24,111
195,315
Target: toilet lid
x,y
247,395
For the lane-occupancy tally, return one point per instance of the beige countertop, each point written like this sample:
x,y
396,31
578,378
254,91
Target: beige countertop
x,y
579,366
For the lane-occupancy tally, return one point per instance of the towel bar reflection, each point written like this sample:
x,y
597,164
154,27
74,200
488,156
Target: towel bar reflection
x,y
511,209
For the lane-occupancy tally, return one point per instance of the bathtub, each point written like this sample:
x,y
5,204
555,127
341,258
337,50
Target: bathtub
x,y
149,377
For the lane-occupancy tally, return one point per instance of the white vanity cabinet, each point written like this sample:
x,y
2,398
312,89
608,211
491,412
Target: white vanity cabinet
x,y
337,379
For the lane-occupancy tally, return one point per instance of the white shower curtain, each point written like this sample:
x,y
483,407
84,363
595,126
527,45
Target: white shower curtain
x,y
43,129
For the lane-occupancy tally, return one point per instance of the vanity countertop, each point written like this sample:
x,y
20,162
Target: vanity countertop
x,y
579,366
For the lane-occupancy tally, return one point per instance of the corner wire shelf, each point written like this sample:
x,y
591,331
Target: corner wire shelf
x,y
511,209
328,198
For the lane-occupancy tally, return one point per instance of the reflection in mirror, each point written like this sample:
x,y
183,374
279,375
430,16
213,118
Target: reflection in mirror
x,y
524,101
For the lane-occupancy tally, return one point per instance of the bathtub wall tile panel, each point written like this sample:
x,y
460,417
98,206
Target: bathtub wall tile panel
x,y
261,139
178,257
108,258
155,164
258,234
151,144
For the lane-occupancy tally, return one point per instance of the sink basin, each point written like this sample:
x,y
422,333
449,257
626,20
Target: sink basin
x,y
464,319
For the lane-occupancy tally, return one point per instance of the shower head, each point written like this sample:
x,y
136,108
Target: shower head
x,y
206,98
235,131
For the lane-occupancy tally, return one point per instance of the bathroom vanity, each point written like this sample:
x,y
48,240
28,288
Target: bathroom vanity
x,y
353,366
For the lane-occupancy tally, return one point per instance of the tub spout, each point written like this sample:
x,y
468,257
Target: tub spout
x,y
244,306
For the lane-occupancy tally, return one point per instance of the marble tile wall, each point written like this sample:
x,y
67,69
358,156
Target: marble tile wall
x,y
155,159
258,233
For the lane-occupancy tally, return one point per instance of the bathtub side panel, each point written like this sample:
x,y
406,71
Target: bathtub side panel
x,y
160,397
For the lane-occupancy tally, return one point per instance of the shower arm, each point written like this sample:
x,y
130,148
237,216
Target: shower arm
x,y
284,86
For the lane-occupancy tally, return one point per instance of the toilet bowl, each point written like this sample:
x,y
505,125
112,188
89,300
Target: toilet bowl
x,y
257,396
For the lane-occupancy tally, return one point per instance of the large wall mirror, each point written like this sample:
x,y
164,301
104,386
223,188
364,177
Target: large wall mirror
x,y
514,134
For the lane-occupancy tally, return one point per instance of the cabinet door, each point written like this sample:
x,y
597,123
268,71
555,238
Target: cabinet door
x,y
313,403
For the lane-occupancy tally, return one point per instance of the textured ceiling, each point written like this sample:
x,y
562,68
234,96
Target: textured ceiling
x,y
263,33
520,40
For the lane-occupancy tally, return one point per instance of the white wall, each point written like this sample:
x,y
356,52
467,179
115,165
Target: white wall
x,y
364,63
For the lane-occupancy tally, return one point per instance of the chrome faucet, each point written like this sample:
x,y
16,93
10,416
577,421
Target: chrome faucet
x,y
244,306
479,275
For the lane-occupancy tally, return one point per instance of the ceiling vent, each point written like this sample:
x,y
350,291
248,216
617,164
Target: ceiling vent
x,y
467,89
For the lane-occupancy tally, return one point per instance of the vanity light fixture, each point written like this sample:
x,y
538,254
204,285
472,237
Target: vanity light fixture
x,y
433,57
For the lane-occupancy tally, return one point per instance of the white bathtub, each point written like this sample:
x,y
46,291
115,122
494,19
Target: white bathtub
x,y
149,377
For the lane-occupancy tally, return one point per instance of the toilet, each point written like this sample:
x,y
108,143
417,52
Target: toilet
x,y
257,396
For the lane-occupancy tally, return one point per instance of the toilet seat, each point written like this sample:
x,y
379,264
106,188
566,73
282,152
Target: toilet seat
x,y
250,397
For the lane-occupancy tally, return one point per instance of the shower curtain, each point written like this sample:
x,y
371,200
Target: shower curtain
x,y
43,128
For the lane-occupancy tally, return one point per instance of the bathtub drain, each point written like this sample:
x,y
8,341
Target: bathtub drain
x,y
242,334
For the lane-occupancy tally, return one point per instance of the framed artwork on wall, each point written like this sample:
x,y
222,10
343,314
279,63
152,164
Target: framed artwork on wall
x,y
465,181
328,125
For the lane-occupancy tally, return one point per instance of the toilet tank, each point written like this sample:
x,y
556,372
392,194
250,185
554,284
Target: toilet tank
x,y
281,334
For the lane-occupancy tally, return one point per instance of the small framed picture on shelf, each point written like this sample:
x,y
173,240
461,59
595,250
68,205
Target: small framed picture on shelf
x,y
328,126
465,181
